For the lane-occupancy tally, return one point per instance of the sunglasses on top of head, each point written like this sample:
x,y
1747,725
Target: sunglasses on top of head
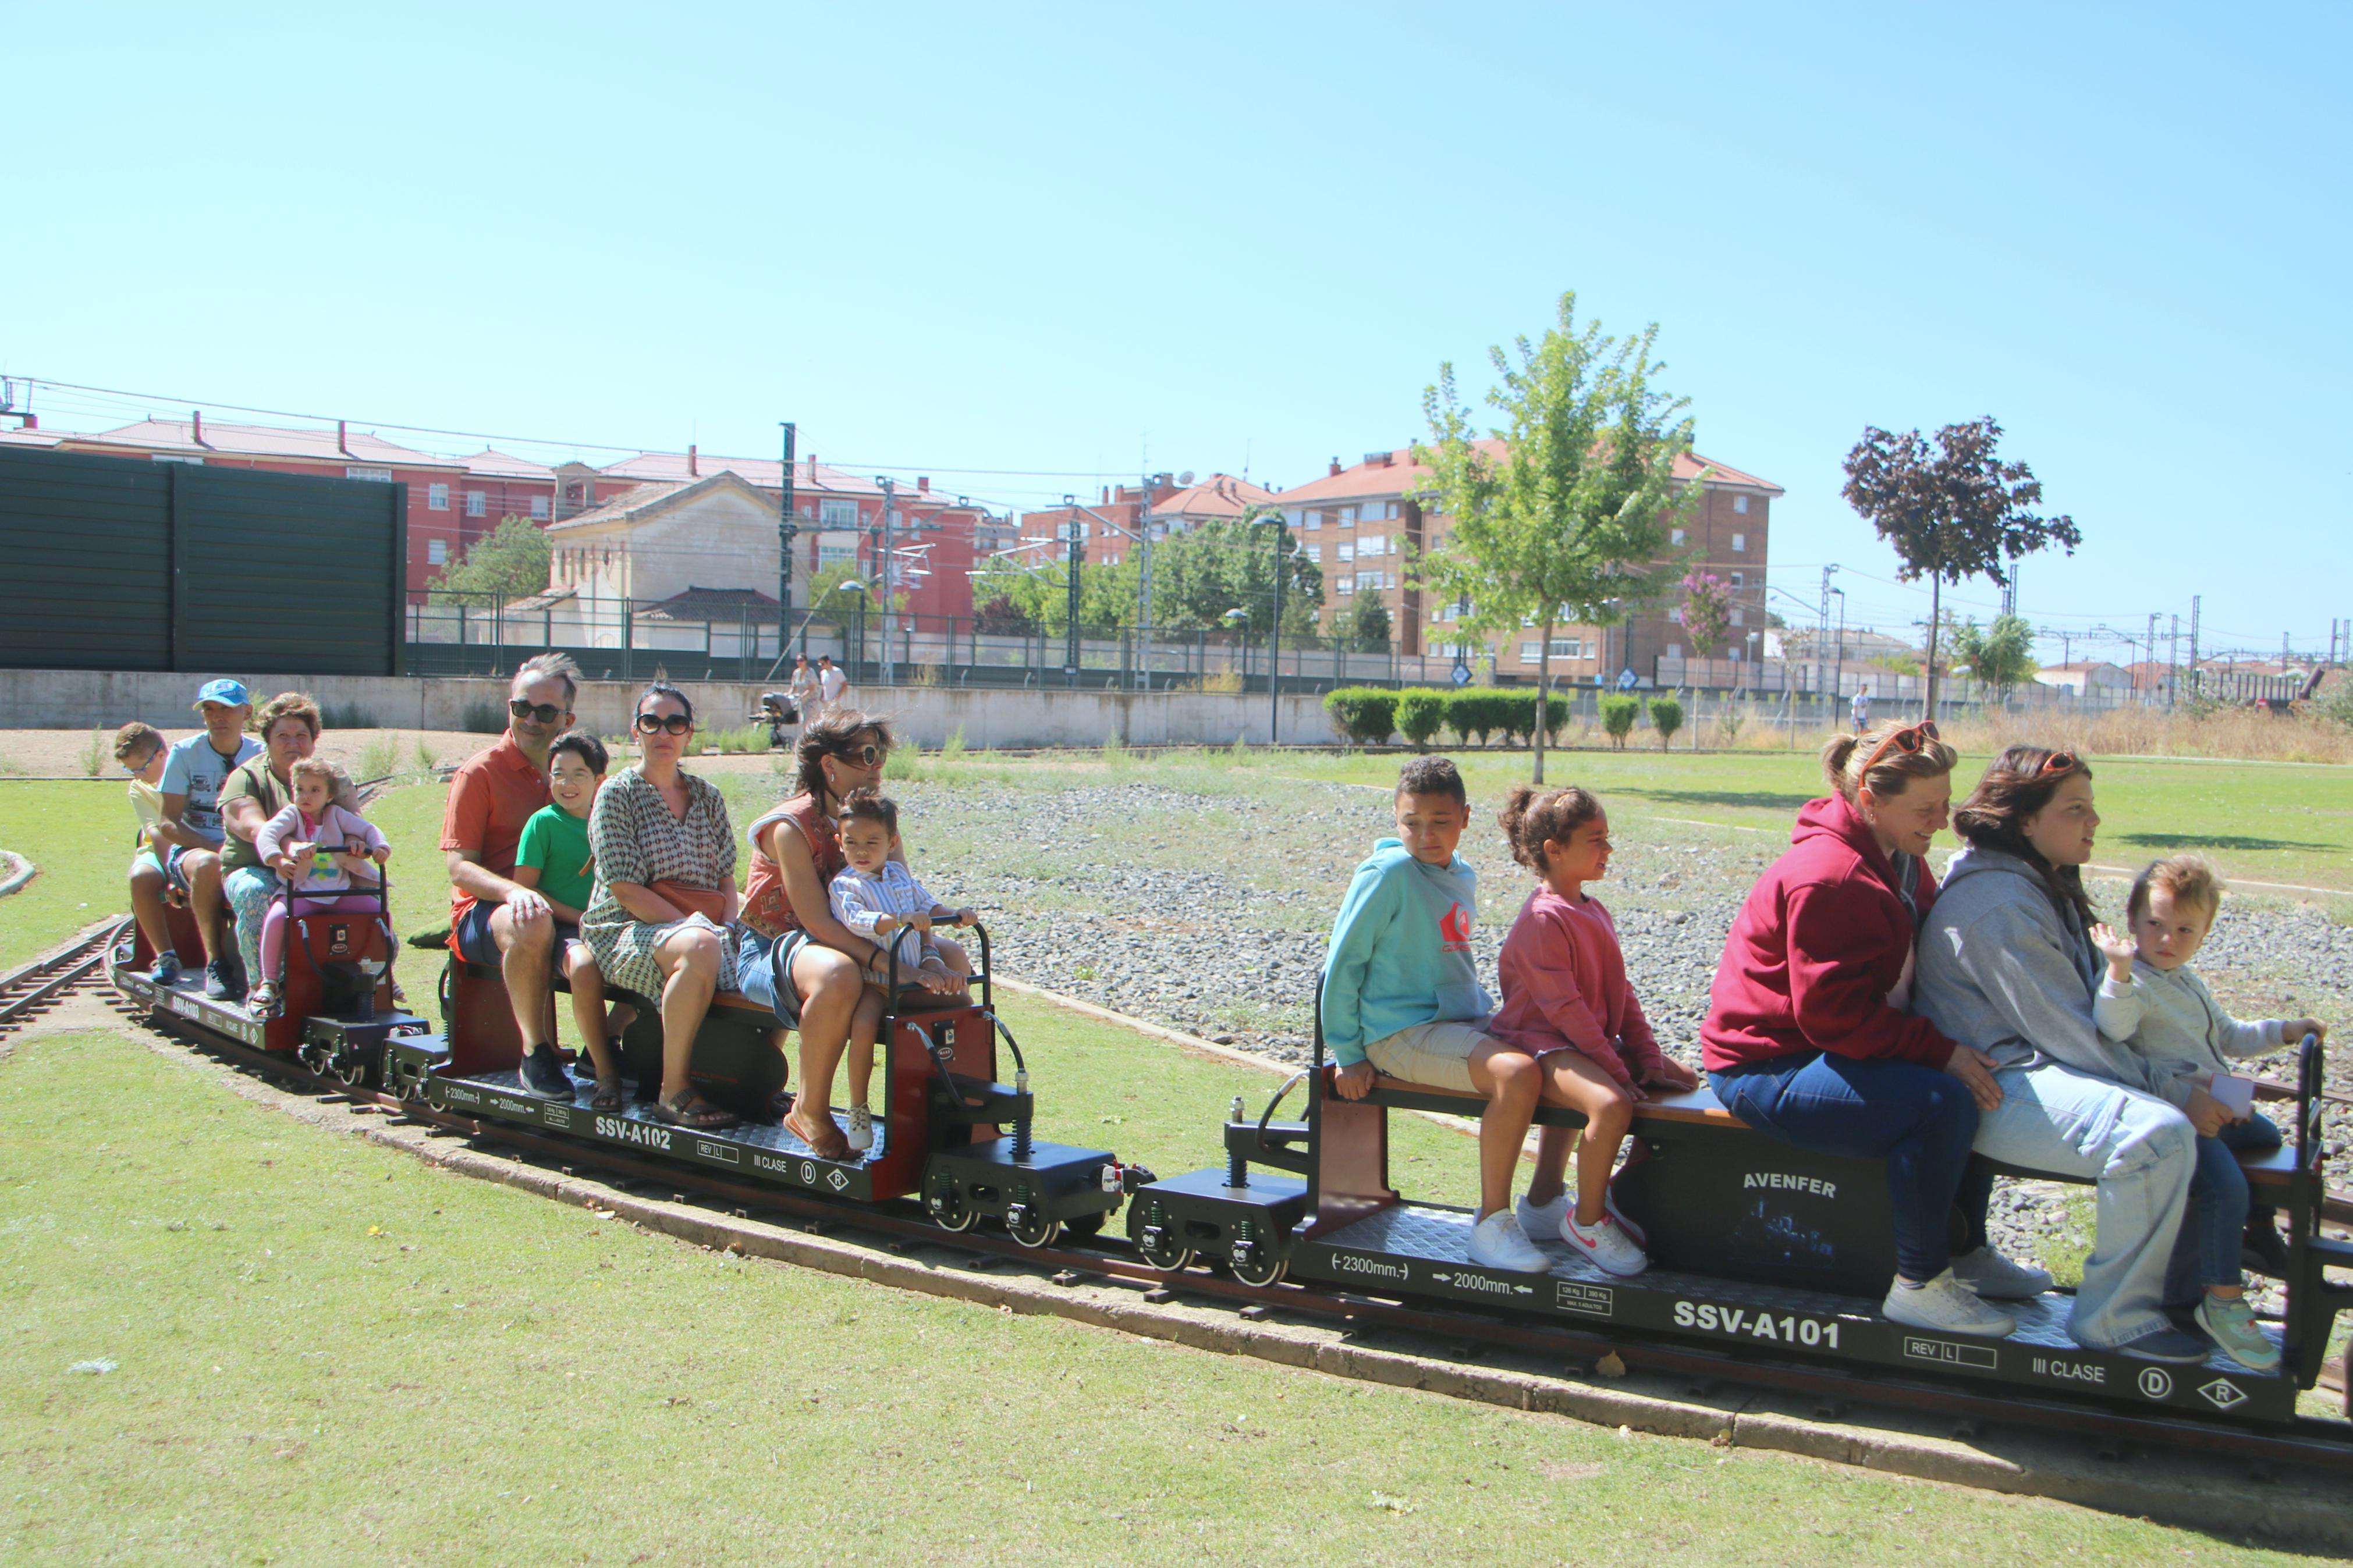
x,y
652,723
545,713
1909,738
2056,763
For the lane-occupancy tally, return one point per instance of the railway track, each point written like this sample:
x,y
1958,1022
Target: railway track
x,y
741,1209
28,990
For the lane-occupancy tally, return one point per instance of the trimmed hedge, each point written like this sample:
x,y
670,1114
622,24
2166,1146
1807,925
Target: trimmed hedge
x,y
1618,712
1365,714
1421,714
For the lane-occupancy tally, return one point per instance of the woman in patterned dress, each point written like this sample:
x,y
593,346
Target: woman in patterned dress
x,y
657,830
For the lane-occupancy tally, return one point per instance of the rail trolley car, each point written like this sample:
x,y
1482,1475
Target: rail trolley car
x,y
1766,1253
950,1135
1755,1246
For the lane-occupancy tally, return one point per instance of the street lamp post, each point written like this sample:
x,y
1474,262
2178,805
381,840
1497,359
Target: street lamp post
x,y
1275,633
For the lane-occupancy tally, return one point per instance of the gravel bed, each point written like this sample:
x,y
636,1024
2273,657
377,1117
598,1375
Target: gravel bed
x,y
1209,912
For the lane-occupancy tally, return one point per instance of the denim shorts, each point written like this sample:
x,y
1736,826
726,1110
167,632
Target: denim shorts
x,y
764,971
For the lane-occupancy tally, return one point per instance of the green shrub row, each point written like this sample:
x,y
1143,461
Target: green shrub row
x,y
1369,715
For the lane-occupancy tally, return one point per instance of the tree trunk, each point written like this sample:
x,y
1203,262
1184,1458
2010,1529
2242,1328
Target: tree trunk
x,y
1935,599
1544,685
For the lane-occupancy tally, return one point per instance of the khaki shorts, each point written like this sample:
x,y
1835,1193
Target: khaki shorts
x,y
1435,1054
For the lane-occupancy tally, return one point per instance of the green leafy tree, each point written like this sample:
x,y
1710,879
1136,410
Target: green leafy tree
x,y
1365,629
1951,514
1666,717
1560,514
1707,609
511,560
1196,577
2001,656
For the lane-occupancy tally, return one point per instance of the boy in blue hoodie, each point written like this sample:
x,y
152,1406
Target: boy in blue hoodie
x,y
1402,993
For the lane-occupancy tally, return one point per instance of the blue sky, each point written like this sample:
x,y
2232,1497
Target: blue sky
x,y
1077,240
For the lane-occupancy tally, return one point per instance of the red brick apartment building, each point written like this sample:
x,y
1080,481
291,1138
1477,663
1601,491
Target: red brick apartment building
x,y
1357,523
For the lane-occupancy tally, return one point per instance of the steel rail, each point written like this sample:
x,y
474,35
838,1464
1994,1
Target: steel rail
x,y
31,987
2323,1445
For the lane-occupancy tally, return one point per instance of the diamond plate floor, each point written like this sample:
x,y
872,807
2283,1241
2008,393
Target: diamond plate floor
x,y
765,1138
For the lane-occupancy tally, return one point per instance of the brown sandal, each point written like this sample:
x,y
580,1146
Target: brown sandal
x,y
831,1146
695,1112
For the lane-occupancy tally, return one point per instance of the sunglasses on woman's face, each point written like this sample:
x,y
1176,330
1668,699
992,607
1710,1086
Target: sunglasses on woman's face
x,y
1905,740
545,713
654,723
869,755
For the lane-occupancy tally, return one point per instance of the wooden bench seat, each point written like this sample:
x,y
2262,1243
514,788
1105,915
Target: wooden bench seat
x,y
1700,1107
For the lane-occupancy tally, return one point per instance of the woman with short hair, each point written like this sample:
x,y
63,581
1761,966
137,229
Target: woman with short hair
x,y
665,893
289,725
2007,966
1809,1041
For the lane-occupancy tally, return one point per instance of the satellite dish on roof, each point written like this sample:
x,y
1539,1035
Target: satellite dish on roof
x,y
1185,478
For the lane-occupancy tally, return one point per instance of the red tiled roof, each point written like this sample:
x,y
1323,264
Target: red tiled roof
x,y
1402,474
491,463
178,436
1221,495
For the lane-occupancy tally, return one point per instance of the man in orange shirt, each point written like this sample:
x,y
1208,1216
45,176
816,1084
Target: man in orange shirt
x,y
494,920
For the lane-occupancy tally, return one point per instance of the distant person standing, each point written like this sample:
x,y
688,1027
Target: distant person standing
x,y
803,688
832,681
1862,709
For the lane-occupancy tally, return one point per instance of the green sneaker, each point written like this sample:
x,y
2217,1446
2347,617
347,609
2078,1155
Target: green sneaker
x,y
2232,1324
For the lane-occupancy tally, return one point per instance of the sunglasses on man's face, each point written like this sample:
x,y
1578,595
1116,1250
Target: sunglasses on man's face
x,y
654,723
545,713
1907,739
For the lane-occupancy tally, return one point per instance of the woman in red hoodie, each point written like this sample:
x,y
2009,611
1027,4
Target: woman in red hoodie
x,y
1807,1039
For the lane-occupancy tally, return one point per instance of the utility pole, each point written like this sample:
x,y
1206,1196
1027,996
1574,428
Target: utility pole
x,y
1822,627
2173,663
882,573
2196,604
1838,677
2152,647
1144,588
1274,644
788,530
1077,555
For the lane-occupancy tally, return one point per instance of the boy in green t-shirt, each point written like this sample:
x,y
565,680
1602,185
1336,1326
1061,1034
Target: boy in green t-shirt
x,y
554,858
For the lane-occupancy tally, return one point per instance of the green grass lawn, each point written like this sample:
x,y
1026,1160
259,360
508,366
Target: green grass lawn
x,y
318,1350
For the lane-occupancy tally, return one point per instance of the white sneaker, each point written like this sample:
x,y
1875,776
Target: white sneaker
x,y
1544,1219
1996,1277
1498,1242
1946,1304
1606,1245
861,1128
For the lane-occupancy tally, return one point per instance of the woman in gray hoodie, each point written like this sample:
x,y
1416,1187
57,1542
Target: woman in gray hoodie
x,y
2007,964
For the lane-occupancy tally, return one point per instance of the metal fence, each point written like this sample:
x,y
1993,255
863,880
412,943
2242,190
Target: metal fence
x,y
613,640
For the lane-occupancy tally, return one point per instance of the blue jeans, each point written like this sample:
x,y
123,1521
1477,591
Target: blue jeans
x,y
1919,1120
2136,1149
2220,1205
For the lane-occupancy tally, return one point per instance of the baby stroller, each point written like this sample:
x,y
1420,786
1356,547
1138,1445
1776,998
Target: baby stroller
x,y
778,712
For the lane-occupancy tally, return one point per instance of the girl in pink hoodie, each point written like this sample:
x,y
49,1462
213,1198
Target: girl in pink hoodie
x,y
1567,1002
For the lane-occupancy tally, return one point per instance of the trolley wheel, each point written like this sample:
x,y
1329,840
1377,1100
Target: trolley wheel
x,y
1262,1274
1037,1230
1171,1255
353,1072
1080,1227
952,1211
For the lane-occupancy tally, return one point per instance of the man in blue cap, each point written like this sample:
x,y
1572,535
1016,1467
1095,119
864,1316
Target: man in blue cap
x,y
193,772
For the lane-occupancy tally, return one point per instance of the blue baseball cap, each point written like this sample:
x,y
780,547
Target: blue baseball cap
x,y
227,693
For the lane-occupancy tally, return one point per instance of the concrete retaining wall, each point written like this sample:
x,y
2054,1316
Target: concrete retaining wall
x,y
989,717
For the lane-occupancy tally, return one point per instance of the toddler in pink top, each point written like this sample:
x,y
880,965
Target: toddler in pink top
x,y
326,850
1566,1003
